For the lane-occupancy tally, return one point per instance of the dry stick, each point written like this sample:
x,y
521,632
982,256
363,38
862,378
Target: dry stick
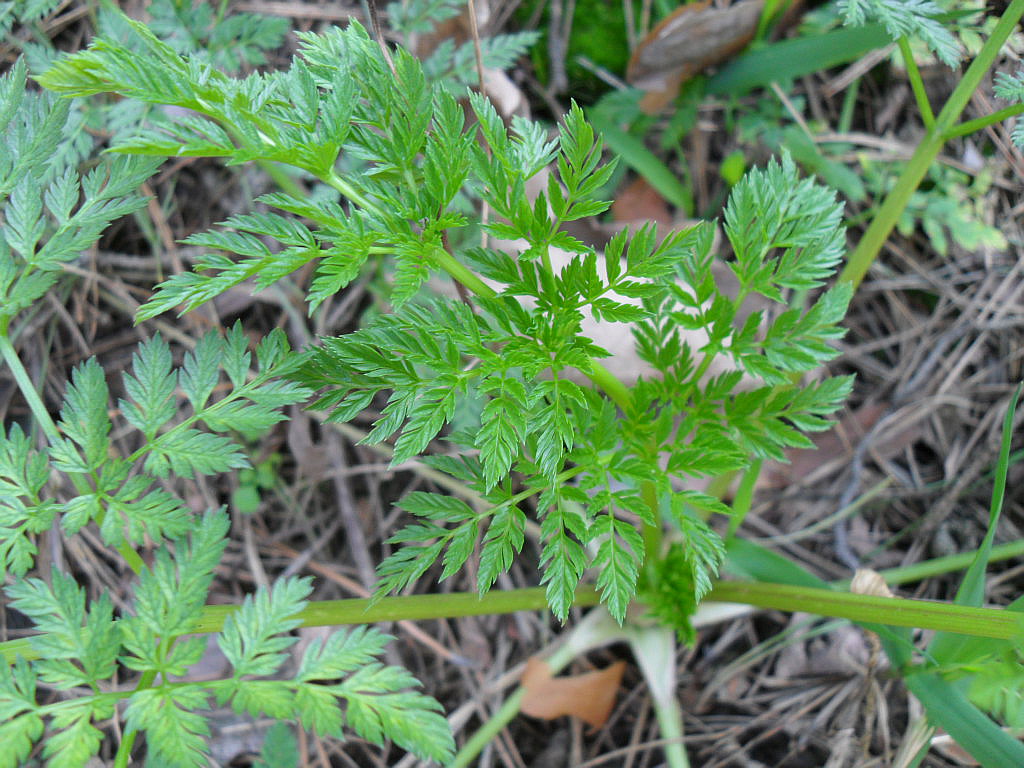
x,y
300,559
559,28
378,34
357,545
477,50
478,54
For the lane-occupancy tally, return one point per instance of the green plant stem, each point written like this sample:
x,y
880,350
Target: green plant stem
x,y
916,83
849,105
652,534
744,498
49,428
611,386
897,611
654,648
972,126
124,749
920,571
670,724
411,607
334,180
895,203
901,612
490,729
336,612
280,177
29,392
893,611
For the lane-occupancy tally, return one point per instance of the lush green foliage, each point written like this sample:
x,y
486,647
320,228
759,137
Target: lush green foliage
x,y
80,646
230,42
544,430
537,423
51,215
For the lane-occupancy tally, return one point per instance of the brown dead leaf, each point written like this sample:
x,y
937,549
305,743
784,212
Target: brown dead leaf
x,y
589,696
690,39
639,201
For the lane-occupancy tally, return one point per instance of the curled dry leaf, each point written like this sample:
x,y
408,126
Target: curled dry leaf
x,y
868,582
589,696
689,40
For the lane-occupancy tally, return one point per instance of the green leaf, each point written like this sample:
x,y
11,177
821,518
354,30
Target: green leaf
x,y
379,708
187,452
432,410
792,58
502,424
253,638
702,547
201,370
150,387
906,18
342,652
786,232
77,646
563,559
619,554
23,511
175,732
84,416
401,568
280,748
144,511
170,595
20,726
436,506
74,739
502,542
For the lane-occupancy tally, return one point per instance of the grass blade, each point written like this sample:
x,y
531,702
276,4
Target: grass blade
x,y
789,59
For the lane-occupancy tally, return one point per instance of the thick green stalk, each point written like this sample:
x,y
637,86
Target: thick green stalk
x,y
928,149
900,612
411,607
893,611
654,648
744,498
359,611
